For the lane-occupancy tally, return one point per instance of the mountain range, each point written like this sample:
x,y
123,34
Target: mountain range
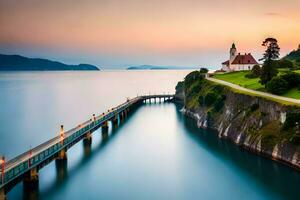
x,y
21,63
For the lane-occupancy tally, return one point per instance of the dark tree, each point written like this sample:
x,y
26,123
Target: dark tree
x,y
269,68
285,63
277,85
272,51
203,70
256,70
268,71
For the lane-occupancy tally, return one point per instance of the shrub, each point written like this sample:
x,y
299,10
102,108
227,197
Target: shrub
x,y
218,89
255,72
291,120
191,78
203,70
277,85
292,78
298,61
219,103
210,98
201,100
284,63
268,71
179,87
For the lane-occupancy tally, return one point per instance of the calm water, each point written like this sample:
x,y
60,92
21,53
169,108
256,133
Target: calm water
x,y
156,154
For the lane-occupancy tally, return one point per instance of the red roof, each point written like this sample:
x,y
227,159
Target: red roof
x,y
226,62
244,59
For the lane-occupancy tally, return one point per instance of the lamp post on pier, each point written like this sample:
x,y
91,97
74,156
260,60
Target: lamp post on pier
x,y
62,133
2,162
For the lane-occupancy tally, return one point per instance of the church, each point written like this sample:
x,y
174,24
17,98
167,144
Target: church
x,y
238,61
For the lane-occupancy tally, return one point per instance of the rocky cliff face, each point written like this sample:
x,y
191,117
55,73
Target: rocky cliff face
x,y
257,124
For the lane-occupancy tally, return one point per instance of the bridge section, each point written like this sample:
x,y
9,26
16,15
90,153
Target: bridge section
x,y
27,165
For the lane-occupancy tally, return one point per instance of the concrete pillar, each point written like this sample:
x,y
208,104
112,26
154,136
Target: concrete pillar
x,y
62,155
2,194
87,146
61,170
115,120
31,179
88,136
105,126
121,115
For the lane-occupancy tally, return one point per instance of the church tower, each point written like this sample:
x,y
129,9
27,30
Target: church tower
x,y
232,54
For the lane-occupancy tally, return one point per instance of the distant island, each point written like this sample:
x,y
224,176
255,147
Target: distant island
x,y
153,67
21,63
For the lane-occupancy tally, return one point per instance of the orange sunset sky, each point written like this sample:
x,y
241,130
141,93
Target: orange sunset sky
x,y
115,34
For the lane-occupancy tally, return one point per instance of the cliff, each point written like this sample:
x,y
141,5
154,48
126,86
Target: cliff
x,y
21,63
257,124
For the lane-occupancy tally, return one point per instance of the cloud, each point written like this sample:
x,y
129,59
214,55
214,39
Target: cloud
x,y
274,14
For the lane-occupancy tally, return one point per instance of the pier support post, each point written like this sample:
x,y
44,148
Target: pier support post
x,y
62,155
87,146
88,136
105,127
31,179
115,120
2,194
121,115
61,169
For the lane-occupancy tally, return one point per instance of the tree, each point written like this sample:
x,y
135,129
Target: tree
x,y
269,68
268,71
203,70
255,72
277,85
292,78
192,77
272,51
285,63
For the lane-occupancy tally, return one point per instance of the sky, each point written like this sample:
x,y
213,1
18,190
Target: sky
x,y
115,34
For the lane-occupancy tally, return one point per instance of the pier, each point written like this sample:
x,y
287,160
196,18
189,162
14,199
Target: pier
x,y
26,167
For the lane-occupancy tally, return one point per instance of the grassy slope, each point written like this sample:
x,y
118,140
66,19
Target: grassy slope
x,y
240,79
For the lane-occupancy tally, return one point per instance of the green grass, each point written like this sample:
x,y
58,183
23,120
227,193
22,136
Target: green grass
x,y
239,78
293,93
297,71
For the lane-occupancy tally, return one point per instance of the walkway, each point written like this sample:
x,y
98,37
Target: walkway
x,y
256,93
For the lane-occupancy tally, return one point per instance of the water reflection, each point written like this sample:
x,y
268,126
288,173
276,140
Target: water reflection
x,y
30,193
266,173
61,167
63,174
87,146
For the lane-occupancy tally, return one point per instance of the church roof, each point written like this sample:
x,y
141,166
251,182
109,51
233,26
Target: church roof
x,y
226,62
244,59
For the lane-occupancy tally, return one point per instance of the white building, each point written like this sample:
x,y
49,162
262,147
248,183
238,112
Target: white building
x,y
238,62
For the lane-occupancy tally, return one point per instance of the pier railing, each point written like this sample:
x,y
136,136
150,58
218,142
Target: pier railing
x,y
28,160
